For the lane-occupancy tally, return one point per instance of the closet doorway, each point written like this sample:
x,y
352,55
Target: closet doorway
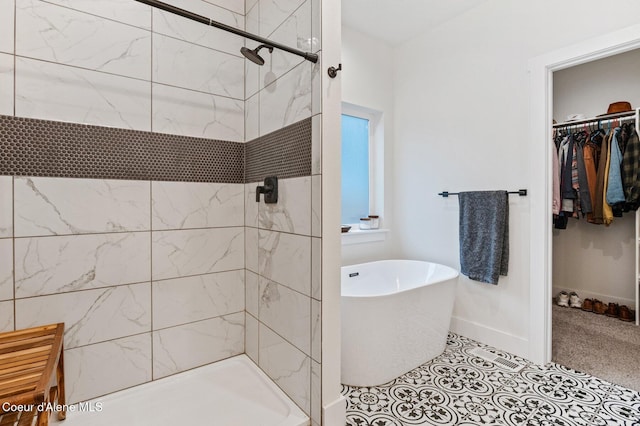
x,y
594,265
542,70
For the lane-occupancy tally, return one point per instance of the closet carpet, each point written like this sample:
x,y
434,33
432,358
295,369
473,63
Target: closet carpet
x,y
604,347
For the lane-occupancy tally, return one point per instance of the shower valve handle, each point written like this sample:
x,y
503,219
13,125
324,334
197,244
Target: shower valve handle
x,y
269,189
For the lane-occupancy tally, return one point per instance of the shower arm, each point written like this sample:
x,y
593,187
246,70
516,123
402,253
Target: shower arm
x,y
312,57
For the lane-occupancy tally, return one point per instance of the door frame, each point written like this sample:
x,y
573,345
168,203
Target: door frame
x,y
541,71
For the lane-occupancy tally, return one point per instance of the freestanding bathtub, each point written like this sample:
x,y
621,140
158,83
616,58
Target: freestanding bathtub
x,y
395,317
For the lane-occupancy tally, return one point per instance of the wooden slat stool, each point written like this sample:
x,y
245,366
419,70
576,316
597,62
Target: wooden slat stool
x,y
31,375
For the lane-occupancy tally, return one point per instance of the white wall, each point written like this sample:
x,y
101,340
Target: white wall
x,y
596,261
461,117
589,88
367,81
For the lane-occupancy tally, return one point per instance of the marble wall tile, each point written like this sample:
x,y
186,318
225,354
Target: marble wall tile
x,y
288,102
295,32
185,112
187,346
285,259
251,337
316,206
316,25
274,12
249,5
6,25
316,268
46,265
6,206
252,82
316,393
58,92
6,269
183,205
6,316
251,249
217,72
194,32
194,252
287,366
90,316
316,87
286,312
252,71
252,295
316,332
96,370
182,300
251,118
251,207
236,6
58,34
292,212
126,11
6,83
59,206
316,144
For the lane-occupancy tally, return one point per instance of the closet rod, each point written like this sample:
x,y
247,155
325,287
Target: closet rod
x,y
520,192
604,118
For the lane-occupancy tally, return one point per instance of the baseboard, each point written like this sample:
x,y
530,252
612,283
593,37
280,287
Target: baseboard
x,y
584,294
335,413
490,336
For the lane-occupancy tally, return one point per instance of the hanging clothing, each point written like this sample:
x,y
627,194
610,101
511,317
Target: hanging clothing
x,y
590,154
631,168
566,186
583,186
607,212
615,194
555,182
598,208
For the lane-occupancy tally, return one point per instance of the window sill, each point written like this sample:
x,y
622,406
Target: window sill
x,y
360,236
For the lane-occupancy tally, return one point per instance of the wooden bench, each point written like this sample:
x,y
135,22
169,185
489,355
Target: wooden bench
x,y
31,375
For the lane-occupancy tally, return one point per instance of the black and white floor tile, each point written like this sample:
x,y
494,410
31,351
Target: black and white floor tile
x,y
458,388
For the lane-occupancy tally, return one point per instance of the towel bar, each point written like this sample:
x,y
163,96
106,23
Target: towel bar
x,y
520,192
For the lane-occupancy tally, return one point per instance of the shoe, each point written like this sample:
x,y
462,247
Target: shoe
x,y
574,300
563,299
612,310
587,305
599,307
626,314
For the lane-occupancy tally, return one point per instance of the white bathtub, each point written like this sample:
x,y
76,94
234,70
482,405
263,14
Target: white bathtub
x,y
395,317
232,392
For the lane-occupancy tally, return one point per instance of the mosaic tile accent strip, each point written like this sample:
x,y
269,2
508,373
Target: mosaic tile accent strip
x,y
458,388
33,147
285,153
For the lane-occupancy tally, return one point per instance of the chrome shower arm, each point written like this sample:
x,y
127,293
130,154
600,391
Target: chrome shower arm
x,y
312,57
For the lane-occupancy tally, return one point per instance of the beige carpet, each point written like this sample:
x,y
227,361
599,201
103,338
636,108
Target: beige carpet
x,y
604,347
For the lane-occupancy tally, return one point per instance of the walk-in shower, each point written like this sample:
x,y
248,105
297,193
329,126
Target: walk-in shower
x,y
252,55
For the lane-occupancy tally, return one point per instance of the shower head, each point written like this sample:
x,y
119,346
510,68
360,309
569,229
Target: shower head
x,y
253,56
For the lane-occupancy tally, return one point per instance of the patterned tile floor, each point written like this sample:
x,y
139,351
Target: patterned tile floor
x,y
458,388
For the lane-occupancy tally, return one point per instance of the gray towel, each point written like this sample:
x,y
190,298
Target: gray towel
x,y
484,235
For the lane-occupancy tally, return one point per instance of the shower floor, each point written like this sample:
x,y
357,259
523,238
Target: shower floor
x,y
458,388
233,392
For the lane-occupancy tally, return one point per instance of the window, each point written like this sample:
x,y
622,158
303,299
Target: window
x,y
355,168
362,163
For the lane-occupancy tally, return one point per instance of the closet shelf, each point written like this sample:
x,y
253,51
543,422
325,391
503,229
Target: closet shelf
x,y
600,118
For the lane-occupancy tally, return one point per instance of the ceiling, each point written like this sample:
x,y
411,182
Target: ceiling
x,y
396,21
